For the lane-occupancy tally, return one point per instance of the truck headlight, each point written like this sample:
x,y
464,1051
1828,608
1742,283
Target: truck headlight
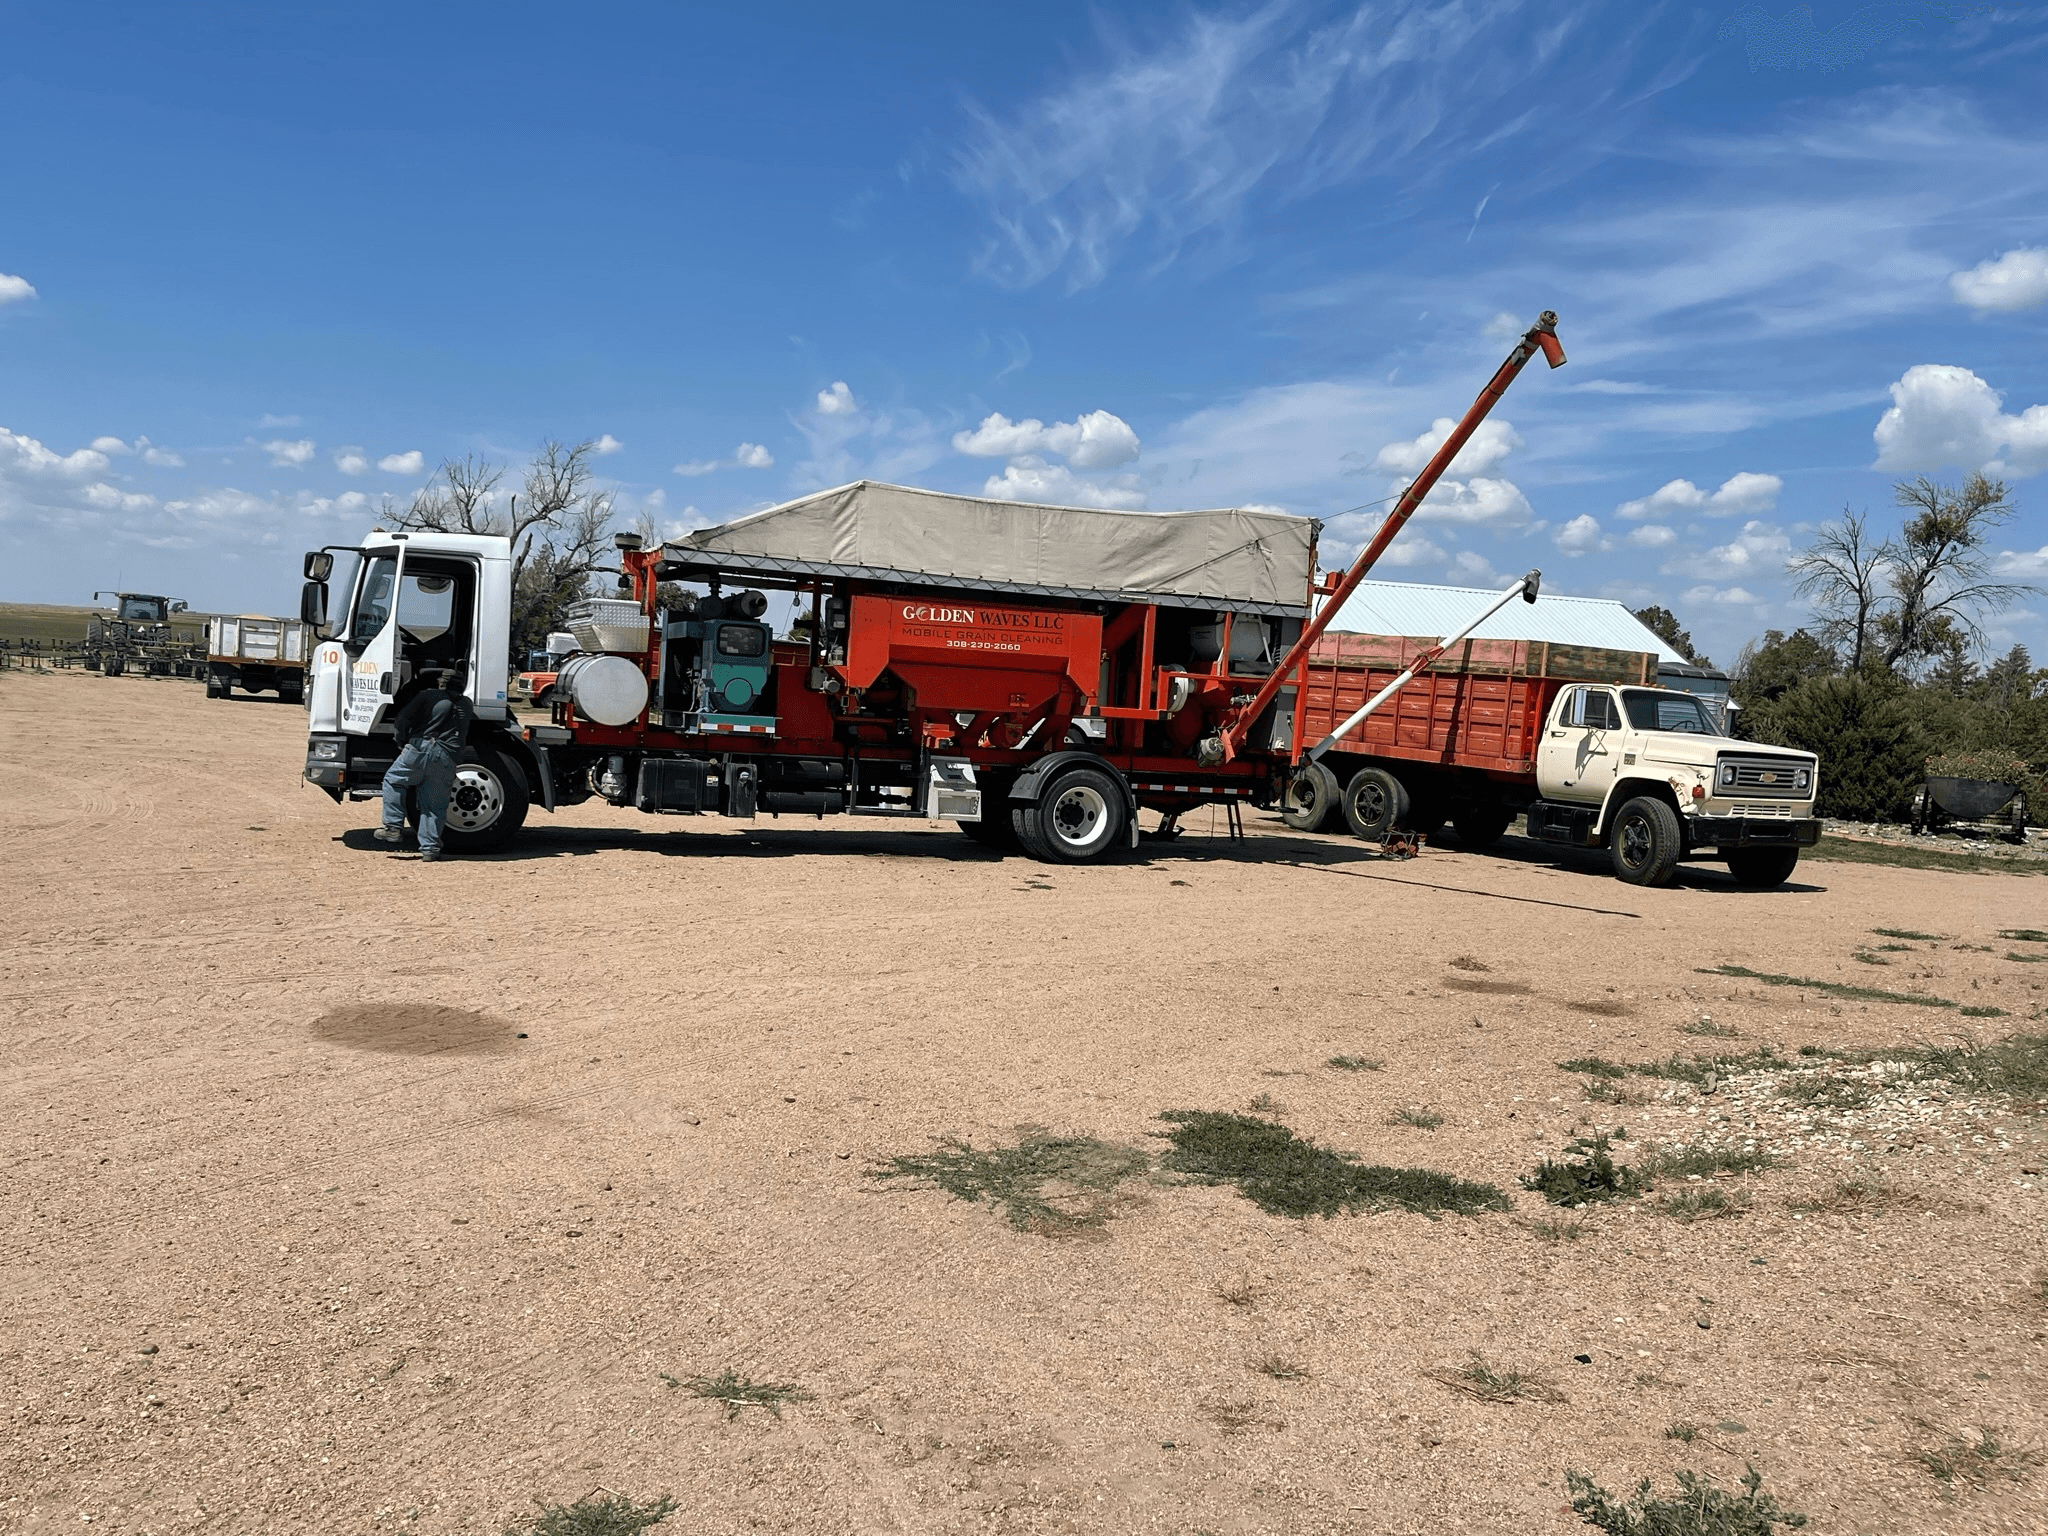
x,y
1803,778
326,751
1727,774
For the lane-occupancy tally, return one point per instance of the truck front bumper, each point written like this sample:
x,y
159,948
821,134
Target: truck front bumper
x,y
1752,831
334,764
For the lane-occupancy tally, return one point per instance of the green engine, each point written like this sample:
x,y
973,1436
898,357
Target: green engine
x,y
716,663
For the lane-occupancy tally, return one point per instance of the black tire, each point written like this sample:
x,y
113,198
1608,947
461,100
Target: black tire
x,y
1481,826
1374,804
1426,815
114,666
1762,867
1309,801
1078,818
1645,842
488,805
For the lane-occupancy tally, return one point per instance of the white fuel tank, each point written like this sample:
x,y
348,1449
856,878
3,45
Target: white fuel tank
x,y
609,690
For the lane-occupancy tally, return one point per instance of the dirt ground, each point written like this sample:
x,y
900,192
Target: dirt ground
x,y
345,1193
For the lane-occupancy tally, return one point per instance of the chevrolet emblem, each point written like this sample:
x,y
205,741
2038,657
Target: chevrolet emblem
x,y
1767,778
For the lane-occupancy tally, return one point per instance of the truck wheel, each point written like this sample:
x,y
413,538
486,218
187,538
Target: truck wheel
x,y
1425,815
1481,826
1762,867
1645,842
1079,818
1374,804
1310,798
488,803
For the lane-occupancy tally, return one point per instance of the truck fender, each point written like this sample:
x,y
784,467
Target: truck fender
x,y
1026,784
1625,790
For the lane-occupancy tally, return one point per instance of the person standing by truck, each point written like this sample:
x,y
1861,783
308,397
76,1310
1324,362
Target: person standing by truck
x,y
431,729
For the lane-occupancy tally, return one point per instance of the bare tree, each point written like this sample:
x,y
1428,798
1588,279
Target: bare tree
x,y
1843,571
1938,568
559,523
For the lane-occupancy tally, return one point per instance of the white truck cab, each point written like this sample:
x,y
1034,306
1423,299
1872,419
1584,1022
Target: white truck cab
x,y
1647,774
415,602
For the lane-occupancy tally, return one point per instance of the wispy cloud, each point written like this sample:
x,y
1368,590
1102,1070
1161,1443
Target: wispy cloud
x,y
15,290
1177,137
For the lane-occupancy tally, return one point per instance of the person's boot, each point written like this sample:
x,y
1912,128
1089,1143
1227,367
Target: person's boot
x,y
389,834
429,858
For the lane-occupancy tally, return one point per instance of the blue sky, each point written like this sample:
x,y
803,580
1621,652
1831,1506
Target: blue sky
x,y
262,266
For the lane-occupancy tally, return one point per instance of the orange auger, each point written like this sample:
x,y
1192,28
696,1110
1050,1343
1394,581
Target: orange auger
x,y
1542,336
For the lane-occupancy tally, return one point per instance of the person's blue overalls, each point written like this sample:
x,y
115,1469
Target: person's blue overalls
x,y
431,730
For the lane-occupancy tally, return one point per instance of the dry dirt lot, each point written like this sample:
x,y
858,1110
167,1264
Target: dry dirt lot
x,y
345,1193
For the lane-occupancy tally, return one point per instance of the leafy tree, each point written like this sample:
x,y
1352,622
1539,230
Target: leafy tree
x,y
1938,567
559,523
1768,667
1663,623
1862,729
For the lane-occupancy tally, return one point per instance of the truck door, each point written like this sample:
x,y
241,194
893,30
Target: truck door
x,y
1579,758
372,645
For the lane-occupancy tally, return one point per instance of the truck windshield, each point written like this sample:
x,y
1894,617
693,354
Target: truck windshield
x,y
1649,711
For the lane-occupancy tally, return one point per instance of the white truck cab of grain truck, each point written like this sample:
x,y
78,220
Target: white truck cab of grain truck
x,y
414,602
1647,774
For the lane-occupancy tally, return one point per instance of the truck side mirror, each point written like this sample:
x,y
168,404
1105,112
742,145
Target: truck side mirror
x,y
313,604
319,565
178,607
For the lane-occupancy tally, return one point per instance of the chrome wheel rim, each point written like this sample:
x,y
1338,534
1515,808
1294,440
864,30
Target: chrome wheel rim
x,y
477,799
1079,816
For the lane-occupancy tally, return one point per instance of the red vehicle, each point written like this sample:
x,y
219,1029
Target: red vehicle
x,y
1036,674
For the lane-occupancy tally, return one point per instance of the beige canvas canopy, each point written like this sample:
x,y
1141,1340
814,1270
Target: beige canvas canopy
x,y
1231,559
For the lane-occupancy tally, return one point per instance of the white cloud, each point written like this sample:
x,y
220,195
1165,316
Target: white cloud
x,y
110,445
165,457
27,456
289,455
1758,551
278,421
1410,550
1478,502
352,461
607,444
1724,596
1739,495
410,462
2022,564
836,401
695,467
1582,536
1505,329
753,456
1944,417
1032,479
1097,440
15,290
1651,536
100,494
2017,280
347,504
1490,443
1474,569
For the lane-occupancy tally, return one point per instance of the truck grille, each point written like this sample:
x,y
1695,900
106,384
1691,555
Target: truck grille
x,y
1774,776
1761,808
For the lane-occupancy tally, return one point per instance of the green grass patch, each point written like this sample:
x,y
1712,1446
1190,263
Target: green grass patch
x,y
2017,1065
1844,850
1893,949
2025,935
1053,1185
1977,1463
1585,1175
1684,1431
1687,1162
595,1514
1480,1380
1285,1175
1594,1066
1356,1063
1706,1026
1867,958
1978,1011
1699,1508
1909,933
2026,959
1703,1203
1697,1069
733,1392
1828,988
1416,1115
